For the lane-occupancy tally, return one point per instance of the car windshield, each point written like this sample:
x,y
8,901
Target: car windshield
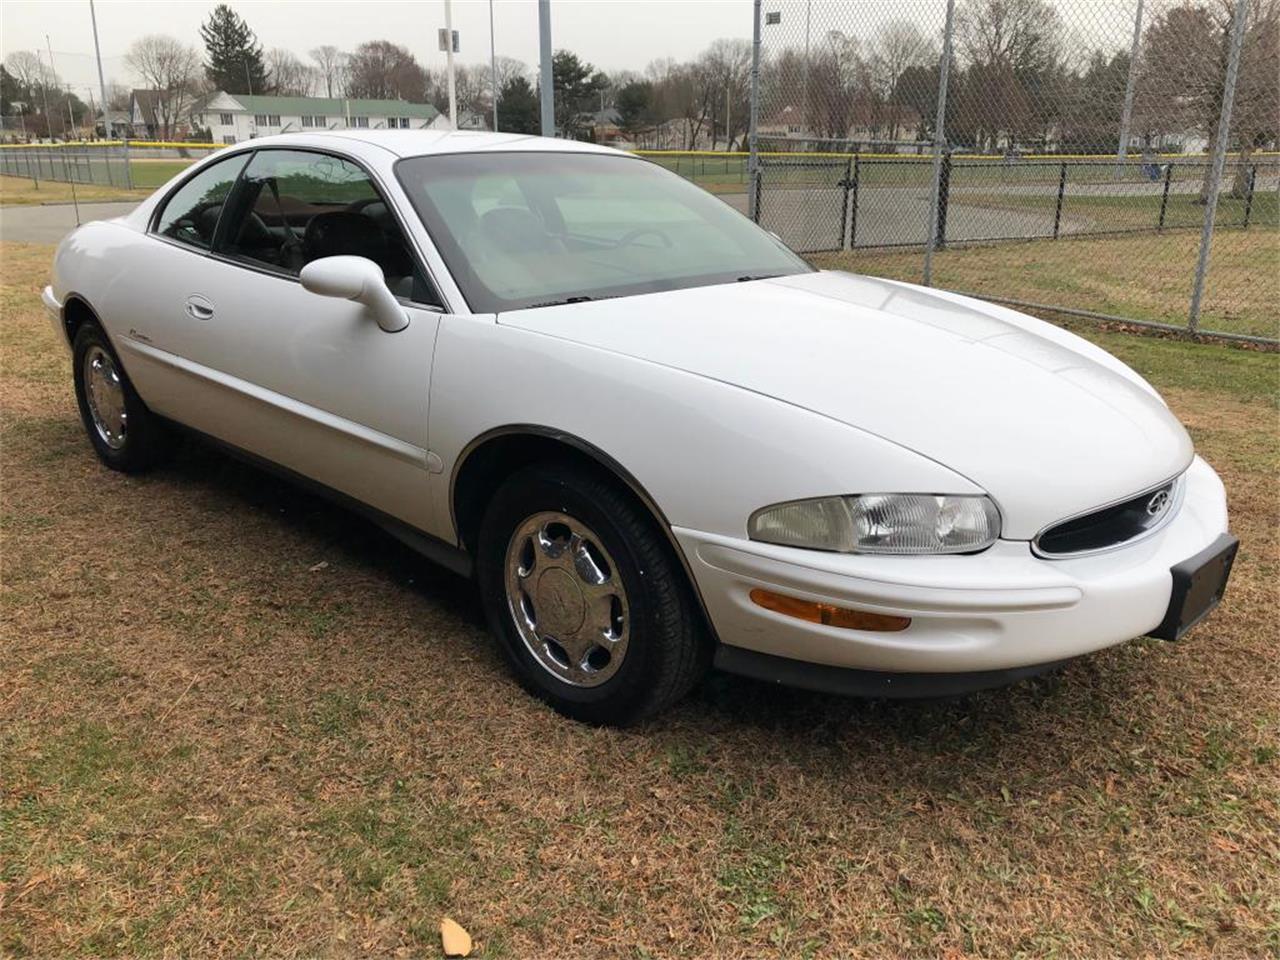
x,y
532,229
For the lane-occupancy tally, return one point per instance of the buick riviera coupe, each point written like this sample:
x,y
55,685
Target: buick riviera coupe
x,y
657,439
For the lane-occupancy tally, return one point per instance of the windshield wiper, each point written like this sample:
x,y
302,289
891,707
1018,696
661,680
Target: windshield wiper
x,y
759,276
559,303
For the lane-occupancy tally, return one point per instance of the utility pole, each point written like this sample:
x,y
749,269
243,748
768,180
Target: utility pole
x,y
448,53
44,89
106,110
493,68
1127,113
547,92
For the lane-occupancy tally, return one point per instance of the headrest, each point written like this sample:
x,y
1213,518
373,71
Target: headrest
x,y
343,233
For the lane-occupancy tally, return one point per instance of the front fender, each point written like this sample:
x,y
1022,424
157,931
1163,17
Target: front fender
x,y
707,453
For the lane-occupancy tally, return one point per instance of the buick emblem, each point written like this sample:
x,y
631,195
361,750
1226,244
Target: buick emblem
x,y
1158,503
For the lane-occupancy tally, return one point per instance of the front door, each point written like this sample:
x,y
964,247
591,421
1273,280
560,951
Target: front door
x,y
308,382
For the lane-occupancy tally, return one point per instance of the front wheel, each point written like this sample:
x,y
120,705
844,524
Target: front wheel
x,y
585,597
124,433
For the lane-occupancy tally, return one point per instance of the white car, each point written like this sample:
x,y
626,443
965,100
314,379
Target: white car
x,y
657,438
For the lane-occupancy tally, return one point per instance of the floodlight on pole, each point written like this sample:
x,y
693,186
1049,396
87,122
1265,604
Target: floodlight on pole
x,y
450,43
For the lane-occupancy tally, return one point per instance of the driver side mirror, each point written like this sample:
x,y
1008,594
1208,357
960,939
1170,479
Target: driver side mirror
x,y
358,279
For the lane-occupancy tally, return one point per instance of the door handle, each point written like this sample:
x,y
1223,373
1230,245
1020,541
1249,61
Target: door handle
x,y
199,308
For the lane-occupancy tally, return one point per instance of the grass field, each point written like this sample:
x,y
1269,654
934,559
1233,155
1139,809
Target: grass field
x,y
1143,276
19,192
237,721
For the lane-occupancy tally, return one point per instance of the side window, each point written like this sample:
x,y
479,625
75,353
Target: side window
x,y
191,215
296,206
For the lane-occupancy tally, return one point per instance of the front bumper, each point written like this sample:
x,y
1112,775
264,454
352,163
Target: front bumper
x,y
1003,609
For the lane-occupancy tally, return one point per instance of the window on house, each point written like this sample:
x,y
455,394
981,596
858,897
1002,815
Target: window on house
x,y
260,118
226,119
360,121
228,138
307,121
273,120
404,123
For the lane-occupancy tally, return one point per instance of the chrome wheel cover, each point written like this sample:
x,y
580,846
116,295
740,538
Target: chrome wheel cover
x,y
566,598
105,396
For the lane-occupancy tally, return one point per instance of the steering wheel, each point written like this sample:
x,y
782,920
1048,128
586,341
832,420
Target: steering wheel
x,y
635,235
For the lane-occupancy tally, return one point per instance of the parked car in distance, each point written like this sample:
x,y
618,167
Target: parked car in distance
x,y
657,438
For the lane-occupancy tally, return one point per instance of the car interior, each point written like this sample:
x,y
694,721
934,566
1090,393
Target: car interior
x,y
287,222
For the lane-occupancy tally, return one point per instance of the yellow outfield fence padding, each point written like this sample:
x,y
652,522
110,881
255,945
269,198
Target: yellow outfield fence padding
x,y
704,154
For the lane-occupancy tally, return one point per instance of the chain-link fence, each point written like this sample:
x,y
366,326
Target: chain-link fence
x,y
1121,141
109,164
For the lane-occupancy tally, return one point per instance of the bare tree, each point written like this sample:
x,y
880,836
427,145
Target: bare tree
x,y
289,76
380,69
170,68
898,46
1010,47
1182,73
29,70
725,81
331,64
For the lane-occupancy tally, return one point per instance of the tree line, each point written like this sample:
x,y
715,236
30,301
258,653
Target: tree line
x,y
1020,78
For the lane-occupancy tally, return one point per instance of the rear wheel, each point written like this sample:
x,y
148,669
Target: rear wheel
x,y
583,593
124,433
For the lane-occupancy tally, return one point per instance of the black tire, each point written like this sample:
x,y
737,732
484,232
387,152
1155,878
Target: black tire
x,y
667,651
147,440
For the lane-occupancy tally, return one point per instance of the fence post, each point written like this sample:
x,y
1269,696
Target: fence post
x,y
1164,197
853,201
753,149
939,140
1062,189
1248,198
1219,161
1122,149
944,201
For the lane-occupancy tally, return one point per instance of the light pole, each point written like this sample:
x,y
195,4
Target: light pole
x,y
448,53
547,93
493,68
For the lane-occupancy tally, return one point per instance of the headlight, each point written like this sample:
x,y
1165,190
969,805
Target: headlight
x,y
893,523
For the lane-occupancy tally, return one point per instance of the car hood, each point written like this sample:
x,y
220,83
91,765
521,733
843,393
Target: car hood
x,y
1048,424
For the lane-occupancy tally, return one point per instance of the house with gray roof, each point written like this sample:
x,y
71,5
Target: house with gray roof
x,y
232,118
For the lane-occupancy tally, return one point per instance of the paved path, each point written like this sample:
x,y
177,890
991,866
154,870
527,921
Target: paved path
x,y
51,222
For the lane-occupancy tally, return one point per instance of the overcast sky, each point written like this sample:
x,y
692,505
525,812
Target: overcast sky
x,y
612,34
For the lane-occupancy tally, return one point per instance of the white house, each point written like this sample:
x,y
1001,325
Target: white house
x,y
231,118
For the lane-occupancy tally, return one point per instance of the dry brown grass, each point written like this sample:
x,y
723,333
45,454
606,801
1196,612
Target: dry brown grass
x,y
209,746
21,192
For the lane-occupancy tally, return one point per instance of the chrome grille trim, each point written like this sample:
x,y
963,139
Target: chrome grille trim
x,y
1177,487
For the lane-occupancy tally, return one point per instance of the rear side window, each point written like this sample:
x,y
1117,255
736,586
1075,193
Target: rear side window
x,y
191,214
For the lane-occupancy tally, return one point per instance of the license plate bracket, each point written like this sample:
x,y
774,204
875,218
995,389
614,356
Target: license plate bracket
x,y
1198,585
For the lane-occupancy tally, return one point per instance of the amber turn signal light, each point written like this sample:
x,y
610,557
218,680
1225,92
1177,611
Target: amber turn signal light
x,y
828,614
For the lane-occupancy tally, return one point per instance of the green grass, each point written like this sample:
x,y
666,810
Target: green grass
x,y
1142,276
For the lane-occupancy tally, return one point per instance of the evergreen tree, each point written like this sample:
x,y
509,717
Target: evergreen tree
x,y
518,110
234,61
577,86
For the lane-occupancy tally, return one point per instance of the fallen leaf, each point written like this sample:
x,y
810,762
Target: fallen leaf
x,y
455,940
316,567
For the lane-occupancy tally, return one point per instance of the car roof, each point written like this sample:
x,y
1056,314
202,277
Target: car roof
x,y
415,143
